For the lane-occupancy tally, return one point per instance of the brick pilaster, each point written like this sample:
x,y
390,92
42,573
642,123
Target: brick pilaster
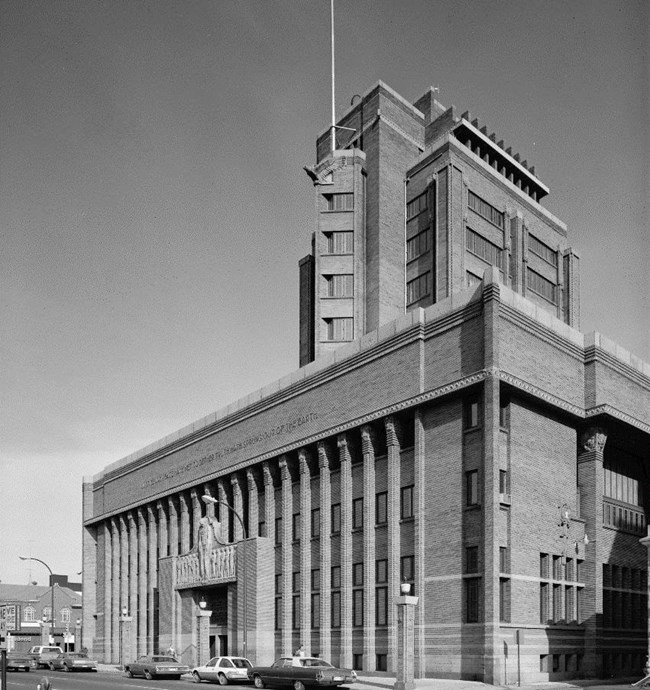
x,y
162,530
305,549
238,506
185,522
152,579
124,564
393,433
419,497
253,503
346,551
368,442
132,578
143,567
591,450
108,594
224,513
325,491
115,599
196,516
269,502
287,556
173,527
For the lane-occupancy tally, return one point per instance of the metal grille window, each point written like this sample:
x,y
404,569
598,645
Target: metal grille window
x,y
542,250
407,568
417,245
340,328
341,285
340,242
484,249
340,202
416,206
315,610
541,286
295,527
381,571
418,288
485,210
357,575
504,600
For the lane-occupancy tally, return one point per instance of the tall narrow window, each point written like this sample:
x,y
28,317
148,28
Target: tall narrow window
x,y
381,508
472,412
336,518
315,522
472,600
381,606
471,488
406,502
485,210
357,513
541,286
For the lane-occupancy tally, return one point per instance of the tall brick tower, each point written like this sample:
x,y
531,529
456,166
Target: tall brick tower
x,y
413,205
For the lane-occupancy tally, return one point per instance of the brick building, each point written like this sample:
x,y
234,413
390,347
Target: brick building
x,y
449,427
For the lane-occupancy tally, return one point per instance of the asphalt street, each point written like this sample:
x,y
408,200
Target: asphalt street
x,y
90,681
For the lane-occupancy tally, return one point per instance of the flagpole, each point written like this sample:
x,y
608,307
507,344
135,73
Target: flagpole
x,y
333,127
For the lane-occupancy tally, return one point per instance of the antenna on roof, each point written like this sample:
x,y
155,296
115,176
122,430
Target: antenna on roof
x,y
333,126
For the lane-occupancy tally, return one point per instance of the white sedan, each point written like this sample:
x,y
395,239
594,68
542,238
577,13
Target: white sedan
x,y
223,669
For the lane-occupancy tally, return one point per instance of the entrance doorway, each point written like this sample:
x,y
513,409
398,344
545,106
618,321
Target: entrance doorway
x,y
223,645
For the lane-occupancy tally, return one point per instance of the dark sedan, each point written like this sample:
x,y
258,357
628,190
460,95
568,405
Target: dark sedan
x,y
73,661
156,666
17,661
300,672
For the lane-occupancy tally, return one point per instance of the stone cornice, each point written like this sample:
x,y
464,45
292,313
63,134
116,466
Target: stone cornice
x,y
541,394
595,354
540,331
617,414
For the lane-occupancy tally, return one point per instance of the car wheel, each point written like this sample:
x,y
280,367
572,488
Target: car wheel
x,y
222,679
129,673
148,675
51,667
66,668
258,682
196,677
298,685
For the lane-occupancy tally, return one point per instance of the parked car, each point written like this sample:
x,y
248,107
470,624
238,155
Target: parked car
x,y
154,666
18,661
223,669
300,672
41,655
73,661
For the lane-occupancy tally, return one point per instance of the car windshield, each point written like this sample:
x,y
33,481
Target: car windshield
x,y
316,662
241,663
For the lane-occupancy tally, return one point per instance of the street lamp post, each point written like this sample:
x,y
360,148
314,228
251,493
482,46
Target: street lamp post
x,y
38,560
210,499
405,645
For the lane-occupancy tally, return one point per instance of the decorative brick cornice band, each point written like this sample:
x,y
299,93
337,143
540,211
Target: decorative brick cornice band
x,y
541,394
399,130
617,414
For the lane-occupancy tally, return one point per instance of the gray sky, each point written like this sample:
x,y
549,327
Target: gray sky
x,y
153,206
